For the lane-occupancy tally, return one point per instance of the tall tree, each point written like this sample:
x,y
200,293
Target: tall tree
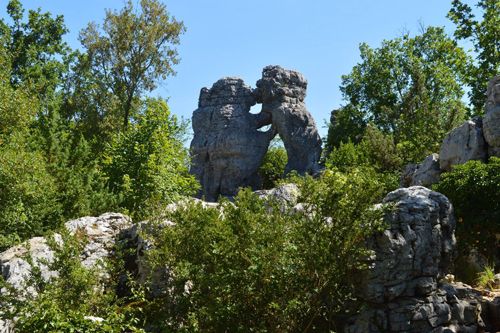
x,y
132,51
409,88
35,47
485,37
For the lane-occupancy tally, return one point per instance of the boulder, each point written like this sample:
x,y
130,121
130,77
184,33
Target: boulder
x,y
401,289
424,174
227,147
282,93
463,144
491,121
101,233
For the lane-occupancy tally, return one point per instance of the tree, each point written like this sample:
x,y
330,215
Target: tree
x,y
147,165
485,37
409,88
132,51
36,49
273,165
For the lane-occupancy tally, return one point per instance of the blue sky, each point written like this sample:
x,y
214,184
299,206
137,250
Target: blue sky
x,y
319,38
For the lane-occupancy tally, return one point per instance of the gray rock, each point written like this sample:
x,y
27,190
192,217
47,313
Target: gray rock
x,y
287,194
401,288
416,248
491,121
282,93
101,233
424,174
227,148
463,144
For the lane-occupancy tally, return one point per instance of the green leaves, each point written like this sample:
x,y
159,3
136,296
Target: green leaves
x,y
35,48
148,165
474,190
133,51
484,35
257,265
409,88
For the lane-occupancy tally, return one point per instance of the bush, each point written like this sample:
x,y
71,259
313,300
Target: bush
x,y
273,165
474,190
28,196
147,165
260,267
65,303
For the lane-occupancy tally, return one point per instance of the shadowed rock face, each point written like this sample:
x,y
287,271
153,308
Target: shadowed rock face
x,y
282,93
491,121
227,148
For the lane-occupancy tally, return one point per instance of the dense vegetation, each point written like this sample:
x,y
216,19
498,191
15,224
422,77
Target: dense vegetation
x,y
79,136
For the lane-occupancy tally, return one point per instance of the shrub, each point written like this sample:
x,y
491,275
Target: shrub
x,y
273,167
147,165
474,190
259,267
64,303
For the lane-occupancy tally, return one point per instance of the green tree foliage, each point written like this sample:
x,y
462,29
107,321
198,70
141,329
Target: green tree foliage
x,y
64,303
28,198
262,267
132,51
273,165
147,165
474,190
347,124
409,88
484,35
35,48
77,174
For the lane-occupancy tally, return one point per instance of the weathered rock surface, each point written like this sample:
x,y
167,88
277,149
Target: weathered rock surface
x,y
227,149
282,93
287,194
101,232
491,121
401,288
424,174
463,144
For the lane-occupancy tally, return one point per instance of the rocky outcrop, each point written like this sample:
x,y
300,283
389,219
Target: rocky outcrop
x,y
100,232
424,174
491,121
227,148
463,144
282,93
401,288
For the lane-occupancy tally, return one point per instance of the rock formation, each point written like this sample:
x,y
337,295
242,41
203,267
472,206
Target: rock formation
x,y
101,232
227,148
282,93
424,174
491,121
463,144
15,267
401,288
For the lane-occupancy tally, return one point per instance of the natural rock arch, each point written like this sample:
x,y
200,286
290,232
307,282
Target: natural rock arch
x,y
227,148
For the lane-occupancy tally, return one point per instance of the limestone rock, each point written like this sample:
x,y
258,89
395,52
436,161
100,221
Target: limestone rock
x,y
282,93
416,248
406,178
401,287
463,144
287,194
227,148
491,121
424,174
101,232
